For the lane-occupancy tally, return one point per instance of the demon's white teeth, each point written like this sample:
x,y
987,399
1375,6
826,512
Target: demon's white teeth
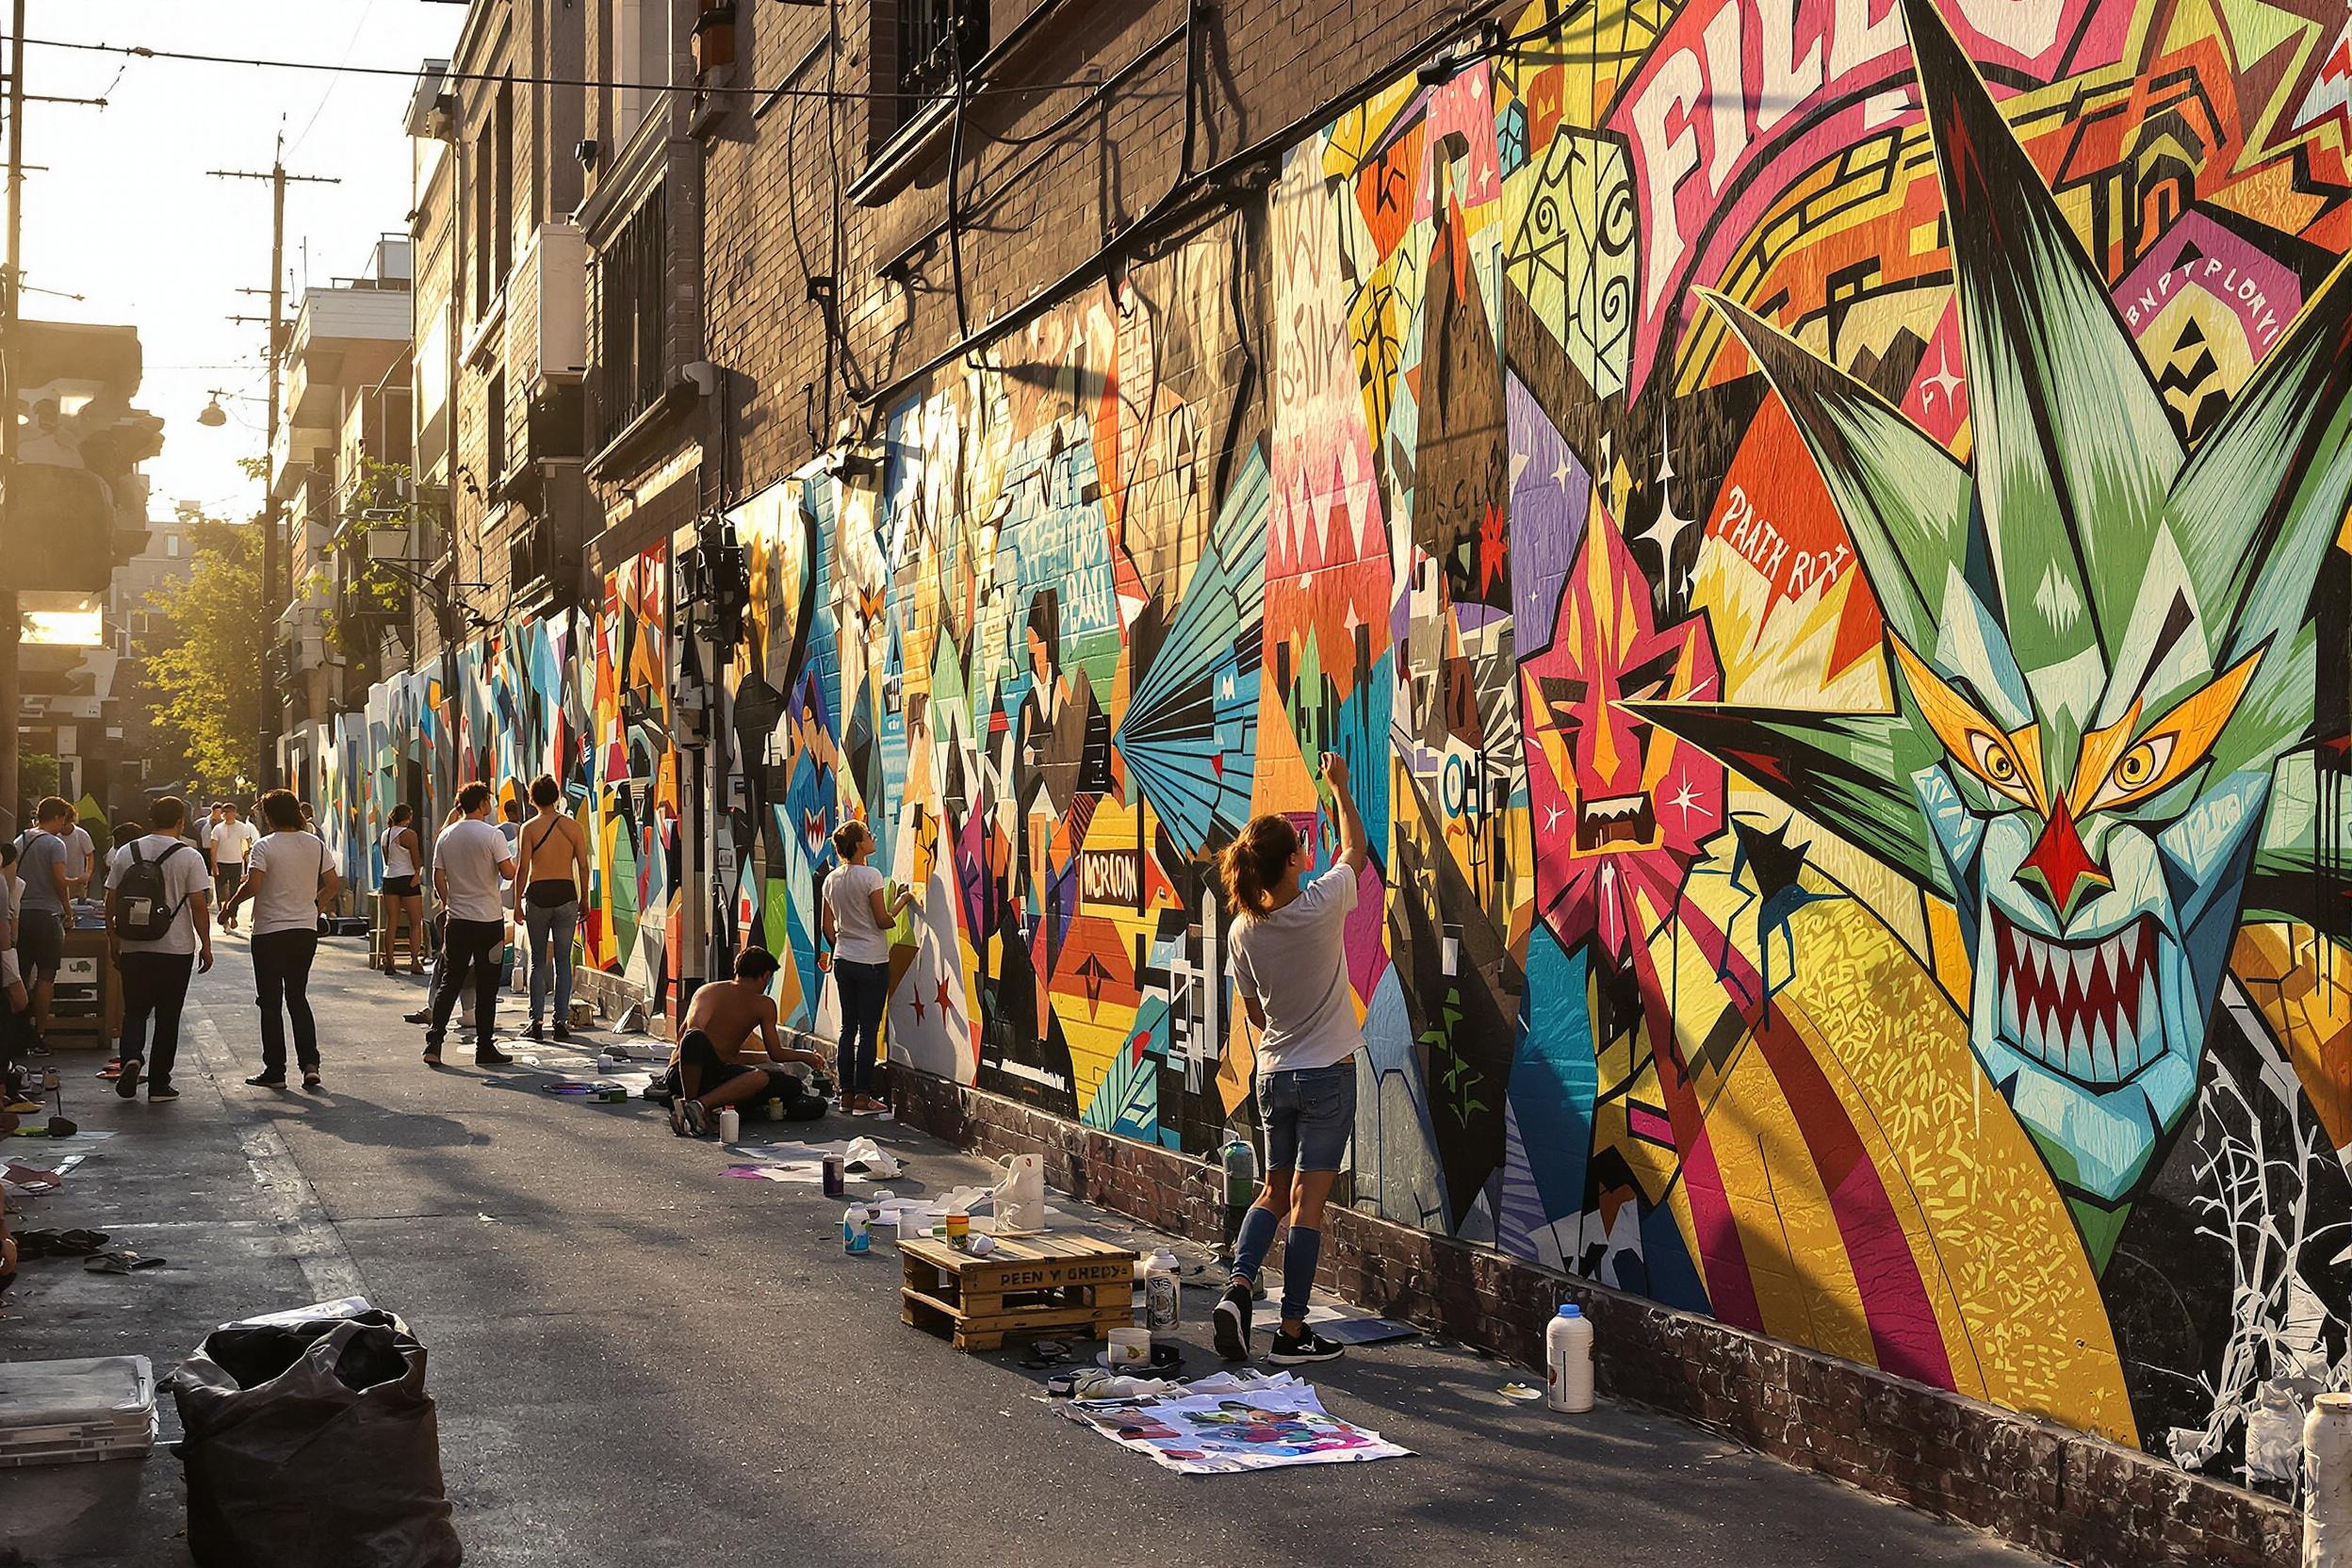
x,y
2082,957
1614,806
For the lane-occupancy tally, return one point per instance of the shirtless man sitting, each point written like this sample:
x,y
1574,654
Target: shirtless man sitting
x,y
714,1067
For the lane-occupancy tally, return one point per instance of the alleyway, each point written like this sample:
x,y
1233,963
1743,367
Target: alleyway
x,y
572,1268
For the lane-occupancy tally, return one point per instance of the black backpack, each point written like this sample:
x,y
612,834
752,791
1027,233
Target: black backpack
x,y
143,907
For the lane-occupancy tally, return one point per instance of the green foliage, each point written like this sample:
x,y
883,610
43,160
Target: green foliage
x,y
204,657
37,774
370,592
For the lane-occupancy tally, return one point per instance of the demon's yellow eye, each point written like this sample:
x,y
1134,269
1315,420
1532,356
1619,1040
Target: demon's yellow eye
x,y
2163,752
1992,759
2138,765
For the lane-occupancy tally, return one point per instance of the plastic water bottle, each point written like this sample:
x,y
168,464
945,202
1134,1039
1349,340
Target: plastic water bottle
x,y
1568,1360
855,1238
731,1124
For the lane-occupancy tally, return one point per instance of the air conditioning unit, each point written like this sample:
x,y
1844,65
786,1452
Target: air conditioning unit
x,y
546,308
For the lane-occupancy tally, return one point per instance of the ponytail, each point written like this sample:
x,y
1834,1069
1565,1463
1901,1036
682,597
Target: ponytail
x,y
1253,863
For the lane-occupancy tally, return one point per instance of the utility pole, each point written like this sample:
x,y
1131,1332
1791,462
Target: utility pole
x,y
272,707
11,616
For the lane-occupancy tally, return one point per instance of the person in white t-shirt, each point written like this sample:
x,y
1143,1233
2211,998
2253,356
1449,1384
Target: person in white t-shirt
x,y
289,878
155,969
81,857
1290,967
231,842
471,863
858,916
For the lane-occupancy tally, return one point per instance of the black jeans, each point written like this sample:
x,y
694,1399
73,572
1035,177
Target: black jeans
x,y
282,974
154,985
475,945
864,990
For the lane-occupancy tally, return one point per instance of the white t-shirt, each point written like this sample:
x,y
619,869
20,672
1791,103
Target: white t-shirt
x,y
291,865
183,879
467,857
78,849
857,939
1295,962
232,842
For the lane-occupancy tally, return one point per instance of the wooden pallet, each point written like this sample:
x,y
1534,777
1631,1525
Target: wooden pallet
x,y
1040,1284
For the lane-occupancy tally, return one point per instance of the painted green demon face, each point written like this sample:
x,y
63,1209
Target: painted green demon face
x,y
2099,653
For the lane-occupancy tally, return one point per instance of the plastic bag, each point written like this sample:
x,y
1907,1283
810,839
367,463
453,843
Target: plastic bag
x,y
313,1444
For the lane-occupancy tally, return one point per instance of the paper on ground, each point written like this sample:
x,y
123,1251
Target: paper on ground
x,y
1343,1324
1234,1431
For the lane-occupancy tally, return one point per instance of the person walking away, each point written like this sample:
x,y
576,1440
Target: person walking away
x,y
469,861
231,842
510,828
441,948
290,879
403,894
158,935
713,1058
1290,966
858,919
43,909
16,1003
204,835
550,868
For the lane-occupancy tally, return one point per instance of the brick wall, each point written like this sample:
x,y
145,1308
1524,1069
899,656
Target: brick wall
x,y
2048,1488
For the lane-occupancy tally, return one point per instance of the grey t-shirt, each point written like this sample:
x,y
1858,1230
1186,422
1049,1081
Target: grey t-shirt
x,y
1295,962
40,852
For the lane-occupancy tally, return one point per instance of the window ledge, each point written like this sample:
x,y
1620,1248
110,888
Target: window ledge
x,y
487,332
616,452
894,165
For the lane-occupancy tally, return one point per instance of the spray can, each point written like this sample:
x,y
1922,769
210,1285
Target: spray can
x,y
1163,1296
835,1183
1239,1162
855,1238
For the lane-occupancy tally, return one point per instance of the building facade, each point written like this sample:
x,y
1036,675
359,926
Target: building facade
x,y
1820,536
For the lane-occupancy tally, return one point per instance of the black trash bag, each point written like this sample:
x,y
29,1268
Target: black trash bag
x,y
313,1445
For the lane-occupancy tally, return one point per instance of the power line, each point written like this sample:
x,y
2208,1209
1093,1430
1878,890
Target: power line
x,y
411,73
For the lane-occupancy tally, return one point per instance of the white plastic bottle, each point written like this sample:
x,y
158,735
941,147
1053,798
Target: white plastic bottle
x,y
1163,1297
731,1124
1568,1360
854,1236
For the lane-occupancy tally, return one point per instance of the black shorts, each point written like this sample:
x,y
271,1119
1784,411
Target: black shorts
x,y
40,944
401,886
697,1055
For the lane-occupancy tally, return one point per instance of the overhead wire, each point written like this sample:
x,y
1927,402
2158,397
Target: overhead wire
x,y
410,74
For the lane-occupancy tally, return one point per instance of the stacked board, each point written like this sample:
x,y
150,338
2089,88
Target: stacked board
x,y
56,1411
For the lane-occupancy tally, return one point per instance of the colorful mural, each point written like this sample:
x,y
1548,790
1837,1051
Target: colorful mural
x,y
1820,562
1821,534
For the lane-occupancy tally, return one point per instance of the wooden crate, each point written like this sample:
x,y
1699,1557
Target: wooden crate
x,y
1041,1285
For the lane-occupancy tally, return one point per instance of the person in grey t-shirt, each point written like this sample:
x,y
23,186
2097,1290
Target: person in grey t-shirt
x,y
43,905
1290,970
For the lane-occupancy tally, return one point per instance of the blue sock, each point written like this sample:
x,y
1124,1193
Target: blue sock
x,y
1257,1234
1302,1250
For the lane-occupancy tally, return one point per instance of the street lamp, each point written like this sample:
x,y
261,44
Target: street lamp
x,y
213,414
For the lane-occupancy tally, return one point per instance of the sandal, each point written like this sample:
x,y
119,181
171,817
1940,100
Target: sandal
x,y
58,1244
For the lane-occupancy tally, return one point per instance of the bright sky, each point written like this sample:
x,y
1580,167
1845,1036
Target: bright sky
x,y
125,215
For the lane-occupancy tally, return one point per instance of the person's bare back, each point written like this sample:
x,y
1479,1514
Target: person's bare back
x,y
729,1013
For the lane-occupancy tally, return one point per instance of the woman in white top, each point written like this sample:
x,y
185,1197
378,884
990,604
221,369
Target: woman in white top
x,y
858,919
403,893
291,879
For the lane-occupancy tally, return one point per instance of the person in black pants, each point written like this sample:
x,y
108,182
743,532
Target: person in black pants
x,y
289,878
470,861
155,970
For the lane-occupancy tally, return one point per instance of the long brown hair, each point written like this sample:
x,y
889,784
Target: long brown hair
x,y
1252,865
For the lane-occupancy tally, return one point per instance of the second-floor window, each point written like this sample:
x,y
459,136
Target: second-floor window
x,y
932,39
494,198
631,318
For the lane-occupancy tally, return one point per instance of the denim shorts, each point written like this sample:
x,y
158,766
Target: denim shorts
x,y
1310,1114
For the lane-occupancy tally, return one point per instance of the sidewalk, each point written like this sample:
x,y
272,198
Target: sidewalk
x,y
637,1360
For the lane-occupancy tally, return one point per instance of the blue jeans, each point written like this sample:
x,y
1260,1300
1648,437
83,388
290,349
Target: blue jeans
x,y
1310,1114
552,929
864,990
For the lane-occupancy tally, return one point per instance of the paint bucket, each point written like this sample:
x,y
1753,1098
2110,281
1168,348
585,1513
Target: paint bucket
x,y
1130,1347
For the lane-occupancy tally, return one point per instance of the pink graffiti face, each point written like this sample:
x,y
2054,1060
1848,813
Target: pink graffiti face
x,y
1621,808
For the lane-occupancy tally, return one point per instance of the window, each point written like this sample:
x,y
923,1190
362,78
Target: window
x,y
643,61
172,545
494,413
494,198
632,319
932,41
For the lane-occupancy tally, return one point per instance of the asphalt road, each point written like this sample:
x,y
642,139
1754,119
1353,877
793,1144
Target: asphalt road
x,y
640,1361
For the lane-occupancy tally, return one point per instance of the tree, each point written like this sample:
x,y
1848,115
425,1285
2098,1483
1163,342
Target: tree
x,y
203,655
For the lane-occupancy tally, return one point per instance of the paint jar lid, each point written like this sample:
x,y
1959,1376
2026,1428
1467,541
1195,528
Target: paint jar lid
x,y
1571,1310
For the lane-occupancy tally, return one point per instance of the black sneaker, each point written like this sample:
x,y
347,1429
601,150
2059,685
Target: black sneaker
x,y
490,1055
563,1030
532,1031
422,1015
267,1081
677,1116
1298,1349
1232,1322
127,1085
161,1091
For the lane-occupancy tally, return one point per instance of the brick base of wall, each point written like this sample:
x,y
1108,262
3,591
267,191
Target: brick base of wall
x,y
2048,1488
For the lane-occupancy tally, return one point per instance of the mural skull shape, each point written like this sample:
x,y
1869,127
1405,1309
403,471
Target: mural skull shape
x,y
2100,652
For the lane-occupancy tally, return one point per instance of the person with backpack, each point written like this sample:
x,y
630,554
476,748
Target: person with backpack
x,y
290,878
157,936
